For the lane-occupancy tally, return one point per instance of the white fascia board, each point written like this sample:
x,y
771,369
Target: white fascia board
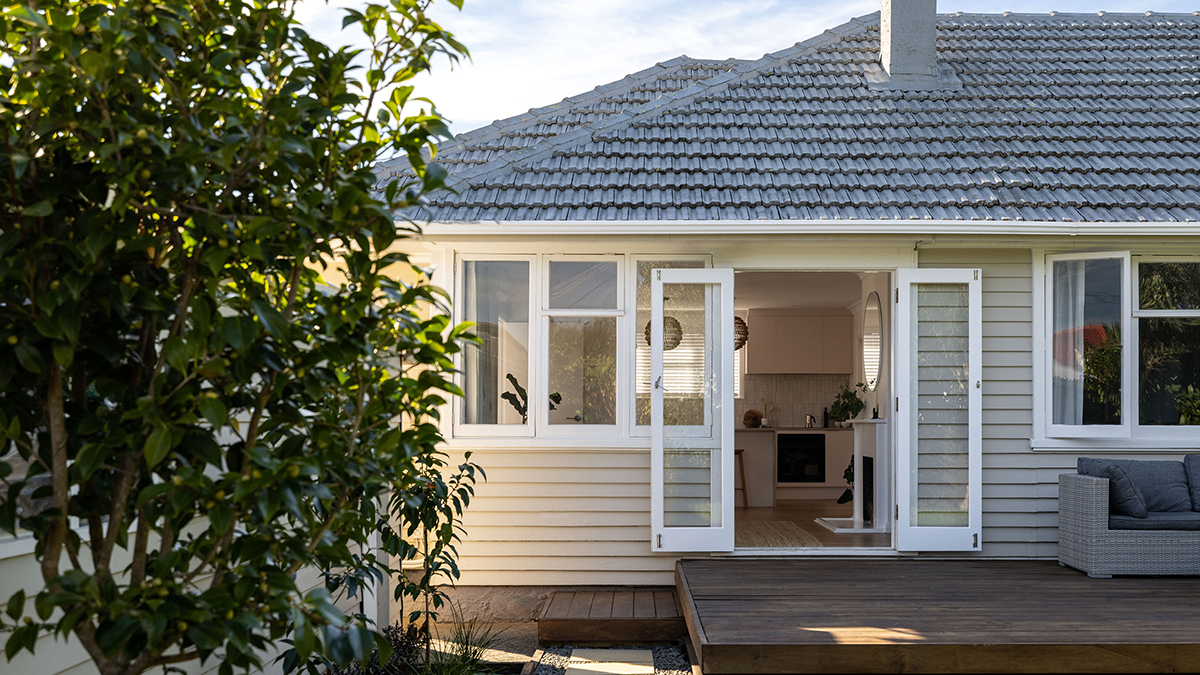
x,y
644,228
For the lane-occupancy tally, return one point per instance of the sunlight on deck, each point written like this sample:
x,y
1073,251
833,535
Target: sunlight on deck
x,y
868,635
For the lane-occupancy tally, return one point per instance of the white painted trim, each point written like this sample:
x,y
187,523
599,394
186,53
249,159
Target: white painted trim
x,y
908,536
643,228
719,537
1040,387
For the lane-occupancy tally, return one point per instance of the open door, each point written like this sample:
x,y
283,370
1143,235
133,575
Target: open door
x,y
691,371
939,390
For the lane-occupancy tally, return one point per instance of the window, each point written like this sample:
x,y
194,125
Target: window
x,y
1124,345
682,360
495,296
583,308
1168,329
563,341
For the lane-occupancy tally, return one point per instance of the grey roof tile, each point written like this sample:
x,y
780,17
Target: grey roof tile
x,y
1060,117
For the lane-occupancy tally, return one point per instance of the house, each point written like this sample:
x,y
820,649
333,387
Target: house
x,y
991,219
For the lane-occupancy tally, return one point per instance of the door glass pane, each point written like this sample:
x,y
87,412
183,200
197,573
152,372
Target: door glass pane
x,y
496,373
940,371
1087,341
1169,390
583,285
642,348
692,402
583,370
1169,285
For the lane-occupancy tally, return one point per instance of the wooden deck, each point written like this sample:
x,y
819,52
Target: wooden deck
x,y
966,616
611,618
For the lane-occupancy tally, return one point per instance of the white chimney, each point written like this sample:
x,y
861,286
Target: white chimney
x,y
908,41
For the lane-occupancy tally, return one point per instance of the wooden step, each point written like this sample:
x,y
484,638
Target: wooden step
x,y
611,618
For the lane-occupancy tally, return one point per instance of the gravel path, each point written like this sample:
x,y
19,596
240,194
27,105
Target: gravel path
x,y
668,660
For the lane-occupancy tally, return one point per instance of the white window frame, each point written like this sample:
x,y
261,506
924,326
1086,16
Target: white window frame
x,y
1176,431
636,332
1128,367
459,429
541,365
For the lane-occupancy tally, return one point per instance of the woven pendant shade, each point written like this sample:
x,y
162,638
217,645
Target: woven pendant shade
x,y
741,333
672,333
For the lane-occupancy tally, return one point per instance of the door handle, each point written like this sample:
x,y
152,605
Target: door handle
x,y
658,383
578,418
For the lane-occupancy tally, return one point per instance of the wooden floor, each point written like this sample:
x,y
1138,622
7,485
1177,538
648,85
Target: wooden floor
x,y
803,512
889,616
611,618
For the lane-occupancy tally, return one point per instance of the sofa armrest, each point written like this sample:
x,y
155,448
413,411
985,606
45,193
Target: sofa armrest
x,y
1082,503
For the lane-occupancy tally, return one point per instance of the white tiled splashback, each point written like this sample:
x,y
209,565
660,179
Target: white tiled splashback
x,y
793,396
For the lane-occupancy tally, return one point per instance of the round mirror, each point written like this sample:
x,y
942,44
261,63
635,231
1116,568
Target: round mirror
x,y
872,341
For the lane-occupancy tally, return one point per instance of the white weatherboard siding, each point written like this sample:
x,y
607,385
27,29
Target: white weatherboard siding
x,y
551,516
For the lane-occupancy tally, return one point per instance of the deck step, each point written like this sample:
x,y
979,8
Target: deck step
x,y
611,618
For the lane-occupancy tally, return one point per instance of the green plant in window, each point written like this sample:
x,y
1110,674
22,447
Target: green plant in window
x,y
1102,378
847,405
520,400
1187,402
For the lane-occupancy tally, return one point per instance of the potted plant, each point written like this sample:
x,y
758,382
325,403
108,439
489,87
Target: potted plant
x,y
847,404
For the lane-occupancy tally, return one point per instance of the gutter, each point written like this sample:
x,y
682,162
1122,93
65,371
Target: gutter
x,y
759,228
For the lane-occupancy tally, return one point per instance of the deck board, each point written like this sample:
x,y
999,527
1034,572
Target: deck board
x,y
841,616
611,618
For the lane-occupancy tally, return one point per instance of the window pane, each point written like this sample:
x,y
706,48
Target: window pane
x,y
583,370
1170,371
1087,341
1169,285
496,374
642,349
583,285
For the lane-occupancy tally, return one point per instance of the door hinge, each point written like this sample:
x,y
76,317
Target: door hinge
x,y
660,541
897,296
975,540
897,404
897,512
976,275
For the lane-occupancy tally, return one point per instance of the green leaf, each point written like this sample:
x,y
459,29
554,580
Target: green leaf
x,y
90,458
27,15
19,638
91,62
176,353
30,358
270,317
214,411
158,445
38,210
221,517
64,354
239,332
16,605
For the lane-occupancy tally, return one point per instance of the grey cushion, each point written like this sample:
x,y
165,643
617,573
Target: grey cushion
x,y
1164,484
1157,520
1124,497
1191,467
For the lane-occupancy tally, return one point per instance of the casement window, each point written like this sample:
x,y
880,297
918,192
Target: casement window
x,y
563,351
1122,345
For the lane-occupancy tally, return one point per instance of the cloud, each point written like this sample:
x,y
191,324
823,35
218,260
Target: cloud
x,y
531,53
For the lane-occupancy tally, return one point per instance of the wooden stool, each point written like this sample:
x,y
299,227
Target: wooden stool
x,y
741,469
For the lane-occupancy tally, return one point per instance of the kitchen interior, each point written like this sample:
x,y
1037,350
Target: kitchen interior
x,y
811,336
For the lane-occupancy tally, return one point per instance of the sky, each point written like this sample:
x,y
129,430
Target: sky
x,y
531,53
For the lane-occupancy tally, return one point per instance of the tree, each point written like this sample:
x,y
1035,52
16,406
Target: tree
x,y
191,416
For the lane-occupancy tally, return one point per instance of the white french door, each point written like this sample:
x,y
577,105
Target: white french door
x,y
939,390
692,378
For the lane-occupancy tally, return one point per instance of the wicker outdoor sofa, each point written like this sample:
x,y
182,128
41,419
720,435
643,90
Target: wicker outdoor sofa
x,y
1102,530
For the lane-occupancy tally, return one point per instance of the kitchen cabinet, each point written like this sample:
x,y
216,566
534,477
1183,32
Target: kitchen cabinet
x,y
799,342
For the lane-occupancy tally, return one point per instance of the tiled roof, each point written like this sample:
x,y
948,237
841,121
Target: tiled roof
x,y
1059,117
